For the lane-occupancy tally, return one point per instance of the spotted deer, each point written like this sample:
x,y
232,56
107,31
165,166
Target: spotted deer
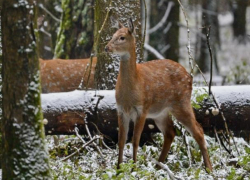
x,y
63,75
151,90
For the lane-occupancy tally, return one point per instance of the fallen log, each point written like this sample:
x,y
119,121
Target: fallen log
x,y
64,111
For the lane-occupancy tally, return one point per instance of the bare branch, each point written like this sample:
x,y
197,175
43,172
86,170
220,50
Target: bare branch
x,y
211,60
49,13
86,144
190,57
165,167
218,139
163,20
78,135
153,50
90,136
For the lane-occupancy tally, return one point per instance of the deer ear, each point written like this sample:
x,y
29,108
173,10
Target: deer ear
x,y
130,26
115,23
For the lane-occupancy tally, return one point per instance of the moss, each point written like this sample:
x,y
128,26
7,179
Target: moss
x,y
62,45
24,154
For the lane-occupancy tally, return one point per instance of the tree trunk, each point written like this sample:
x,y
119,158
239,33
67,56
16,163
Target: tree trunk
x,y
24,154
166,39
64,111
74,38
239,8
209,18
172,36
107,65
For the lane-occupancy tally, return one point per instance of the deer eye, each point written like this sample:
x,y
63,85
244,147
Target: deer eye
x,y
122,38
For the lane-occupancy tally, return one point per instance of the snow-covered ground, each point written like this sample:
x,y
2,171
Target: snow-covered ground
x,y
90,165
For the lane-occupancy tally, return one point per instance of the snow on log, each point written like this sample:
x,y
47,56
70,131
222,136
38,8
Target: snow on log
x,y
66,110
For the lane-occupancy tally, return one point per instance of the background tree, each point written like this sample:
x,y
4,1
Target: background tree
x,y
166,38
24,154
172,36
209,18
75,35
239,9
107,65
48,22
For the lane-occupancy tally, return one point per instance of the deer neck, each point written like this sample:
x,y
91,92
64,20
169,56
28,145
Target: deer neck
x,y
128,73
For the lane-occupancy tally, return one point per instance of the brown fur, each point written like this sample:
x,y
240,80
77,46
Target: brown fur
x,y
152,90
59,75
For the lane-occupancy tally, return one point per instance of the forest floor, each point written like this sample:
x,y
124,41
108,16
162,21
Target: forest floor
x,y
89,164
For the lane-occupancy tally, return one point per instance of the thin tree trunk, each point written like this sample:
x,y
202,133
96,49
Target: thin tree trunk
x,y
24,154
107,66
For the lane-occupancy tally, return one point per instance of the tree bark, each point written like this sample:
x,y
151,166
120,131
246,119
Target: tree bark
x,y
24,153
64,111
107,65
74,38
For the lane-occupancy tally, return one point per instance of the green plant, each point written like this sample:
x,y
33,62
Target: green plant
x,y
199,95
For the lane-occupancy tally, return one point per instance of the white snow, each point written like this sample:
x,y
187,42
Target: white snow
x,y
78,99
81,99
225,19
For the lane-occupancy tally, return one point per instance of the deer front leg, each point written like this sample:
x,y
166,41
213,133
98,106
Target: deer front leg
x,y
138,127
122,137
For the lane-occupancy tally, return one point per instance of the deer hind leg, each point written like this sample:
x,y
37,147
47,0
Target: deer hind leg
x,y
166,126
186,116
123,124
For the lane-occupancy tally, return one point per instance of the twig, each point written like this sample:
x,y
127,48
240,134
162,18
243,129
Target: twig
x,y
90,69
165,167
228,150
103,143
216,136
188,149
211,59
90,136
86,144
190,57
104,22
167,28
234,143
78,135
49,13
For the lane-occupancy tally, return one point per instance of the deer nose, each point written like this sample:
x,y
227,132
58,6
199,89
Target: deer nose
x,y
106,48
